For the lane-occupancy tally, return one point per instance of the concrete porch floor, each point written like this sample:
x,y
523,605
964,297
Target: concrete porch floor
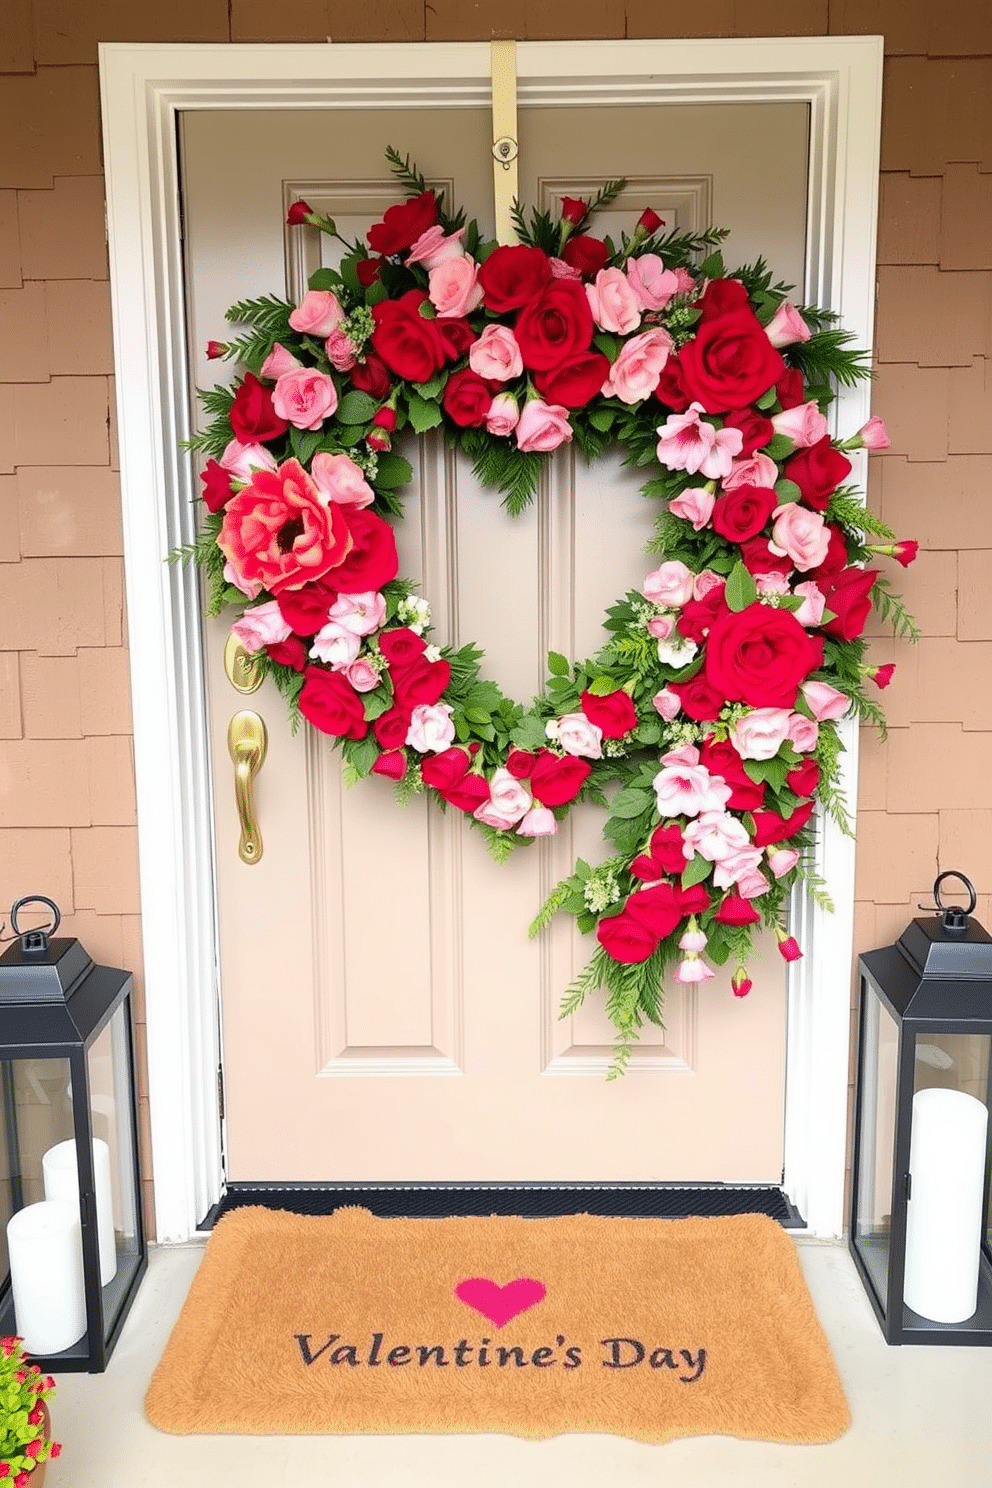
x,y
921,1417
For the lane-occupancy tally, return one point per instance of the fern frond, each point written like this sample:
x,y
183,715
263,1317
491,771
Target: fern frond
x,y
554,902
850,512
892,610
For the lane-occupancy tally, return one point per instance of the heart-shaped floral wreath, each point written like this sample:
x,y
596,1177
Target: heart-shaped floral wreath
x,y
706,725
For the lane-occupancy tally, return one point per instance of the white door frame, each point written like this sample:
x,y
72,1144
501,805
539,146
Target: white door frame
x,y
144,87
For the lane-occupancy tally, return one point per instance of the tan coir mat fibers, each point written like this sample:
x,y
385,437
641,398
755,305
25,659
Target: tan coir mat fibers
x,y
648,1328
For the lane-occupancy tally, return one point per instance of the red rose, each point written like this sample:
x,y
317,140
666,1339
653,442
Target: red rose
x,y
722,759
694,900
373,559
723,297
658,907
789,389
367,270
769,827
699,699
403,224
555,781
743,512
445,770
697,615
392,728
385,418
253,418
291,652
804,779
835,560
817,471
372,377
467,399
670,390
586,254
730,361
737,911
574,382
555,326
409,343
665,857
756,430
650,221
849,596
456,336
422,681
332,705
401,647
573,210
614,713
520,763
468,793
758,558
759,656
306,609
299,212
392,764
512,276
625,939
217,490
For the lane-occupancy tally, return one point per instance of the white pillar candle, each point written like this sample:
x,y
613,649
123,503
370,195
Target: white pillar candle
x,y
62,1182
46,1276
944,1214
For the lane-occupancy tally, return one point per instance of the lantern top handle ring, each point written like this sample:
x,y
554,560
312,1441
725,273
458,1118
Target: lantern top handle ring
x,y
954,916
35,941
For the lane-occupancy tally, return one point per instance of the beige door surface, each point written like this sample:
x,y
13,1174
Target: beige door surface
x,y
384,1014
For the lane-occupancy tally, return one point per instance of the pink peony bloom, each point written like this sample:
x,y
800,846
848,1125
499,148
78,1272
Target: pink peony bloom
x,y
782,860
686,283
687,443
803,732
263,626
799,534
667,704
715,835
362,675
278,362
496,355
695,506
804,424
539,822
671,585
687,790
503,416
653,285
613,303
759,470
339,479
430,728
542,426
305,398
359,613
760,734
824,701
810,612
454,289
317,314
242,459
787,326
636,372
433,247
281,533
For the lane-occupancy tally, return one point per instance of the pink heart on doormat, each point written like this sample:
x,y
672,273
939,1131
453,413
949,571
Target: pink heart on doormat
x,y
500,1303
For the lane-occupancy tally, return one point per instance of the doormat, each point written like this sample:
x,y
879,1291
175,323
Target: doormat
x,y
646,1328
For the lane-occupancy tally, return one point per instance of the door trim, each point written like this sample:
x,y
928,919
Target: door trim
x,y
144,88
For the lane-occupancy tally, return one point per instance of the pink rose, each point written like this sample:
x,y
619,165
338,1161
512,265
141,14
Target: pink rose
x,y
782,860
539,822
454,288
670,585
692,969
687,790
305,398
340,351
759,470
613,303
317,314
872,436
359,613
543,426
430,728
661,627
279,361
803,732
508,795
810,612
714,835
250,587
804,424
503,416
263,626
752,884
362,675
824,701
695,506
561,270
799,534
787,326
339,479
635,373
737,865
687,442
496,355
705,582
760,734
771,583
653,285
242,459
577,735
667,704
433,248
335,646
688,754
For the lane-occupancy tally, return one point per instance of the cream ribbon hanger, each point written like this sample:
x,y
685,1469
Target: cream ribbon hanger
x,y
503,66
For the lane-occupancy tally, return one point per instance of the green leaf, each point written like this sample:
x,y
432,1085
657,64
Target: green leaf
x,y
430,390
324,279
696,871
767,400
304,443
713,267
778,448
477,715
392,471
362,754
741,590
631,803
356,408
602,418
602,686
558,665
786,491
423,415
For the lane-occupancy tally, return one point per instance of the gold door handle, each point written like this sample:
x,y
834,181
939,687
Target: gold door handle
x,y
247,742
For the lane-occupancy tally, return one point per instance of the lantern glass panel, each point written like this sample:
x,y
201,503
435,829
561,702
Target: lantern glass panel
x,y
108,1063
879,1071
35,1114
958,1061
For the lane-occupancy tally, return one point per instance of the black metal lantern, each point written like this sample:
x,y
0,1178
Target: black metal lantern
x,y
72,1236
920,1220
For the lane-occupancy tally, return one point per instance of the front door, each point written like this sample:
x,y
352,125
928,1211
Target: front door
x,y
384,1014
